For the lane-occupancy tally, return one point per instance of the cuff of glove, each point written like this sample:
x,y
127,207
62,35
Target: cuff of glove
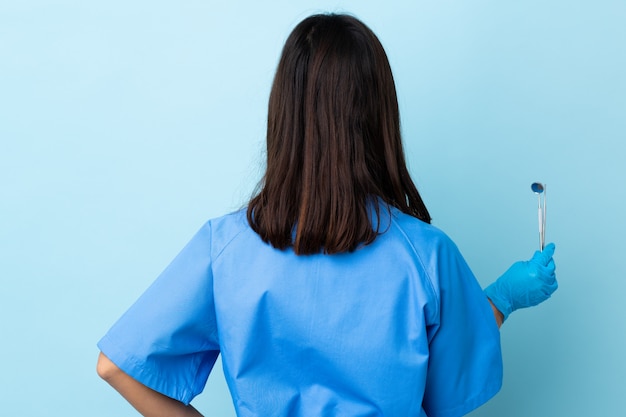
x,y
502,303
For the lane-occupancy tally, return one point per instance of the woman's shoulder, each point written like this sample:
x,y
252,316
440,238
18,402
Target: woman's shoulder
x,y
234,220
428,242
416,229
229,228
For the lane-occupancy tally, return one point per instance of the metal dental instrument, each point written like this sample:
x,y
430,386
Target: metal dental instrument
x,y
541,191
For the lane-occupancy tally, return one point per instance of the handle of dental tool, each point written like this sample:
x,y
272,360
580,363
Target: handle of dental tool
x,y
543,224
541,228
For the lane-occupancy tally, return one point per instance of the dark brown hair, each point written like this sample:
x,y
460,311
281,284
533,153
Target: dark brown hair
x,y
333,141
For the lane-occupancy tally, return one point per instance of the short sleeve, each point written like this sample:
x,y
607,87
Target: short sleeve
x,y
465,360
168,340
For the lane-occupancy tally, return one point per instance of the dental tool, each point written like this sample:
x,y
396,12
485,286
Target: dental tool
x,y
541,191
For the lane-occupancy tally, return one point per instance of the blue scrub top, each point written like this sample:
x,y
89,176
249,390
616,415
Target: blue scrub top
x,y
399,327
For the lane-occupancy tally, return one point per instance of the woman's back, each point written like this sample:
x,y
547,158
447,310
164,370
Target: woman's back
x,y
323,335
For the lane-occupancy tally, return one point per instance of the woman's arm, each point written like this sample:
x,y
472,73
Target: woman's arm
x,y
497,314
148,402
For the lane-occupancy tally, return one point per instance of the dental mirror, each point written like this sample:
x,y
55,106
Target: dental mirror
x,y
541,191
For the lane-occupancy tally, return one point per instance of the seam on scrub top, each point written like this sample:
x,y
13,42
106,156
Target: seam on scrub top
x,y
225,245
216,331
419,258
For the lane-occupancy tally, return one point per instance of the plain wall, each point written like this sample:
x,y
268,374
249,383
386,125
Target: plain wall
x,y
124,126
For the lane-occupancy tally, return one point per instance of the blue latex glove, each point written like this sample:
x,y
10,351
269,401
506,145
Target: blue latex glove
x,y
525,283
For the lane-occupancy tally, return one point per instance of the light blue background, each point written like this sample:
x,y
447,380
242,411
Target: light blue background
x,y
125,125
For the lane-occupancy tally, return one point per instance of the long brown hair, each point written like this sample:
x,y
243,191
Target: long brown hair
x,y
333,141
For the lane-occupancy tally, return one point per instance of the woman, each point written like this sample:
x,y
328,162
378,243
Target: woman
x,y
331,294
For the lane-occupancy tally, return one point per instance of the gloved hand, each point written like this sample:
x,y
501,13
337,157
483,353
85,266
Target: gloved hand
x,y
525,283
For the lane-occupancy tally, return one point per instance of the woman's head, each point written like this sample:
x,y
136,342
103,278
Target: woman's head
x,y
333,141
